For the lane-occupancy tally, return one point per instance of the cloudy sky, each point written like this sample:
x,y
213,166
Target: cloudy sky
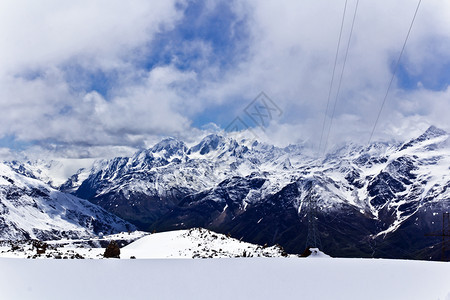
x,y
84,78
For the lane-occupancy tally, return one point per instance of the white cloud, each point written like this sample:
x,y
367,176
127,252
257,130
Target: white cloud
x,y
293,47
6,154
287,51
39,34
41,40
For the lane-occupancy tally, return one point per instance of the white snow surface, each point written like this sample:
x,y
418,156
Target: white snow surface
x,y
150,276
234,278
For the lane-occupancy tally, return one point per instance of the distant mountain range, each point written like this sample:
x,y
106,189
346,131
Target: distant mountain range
x,y
377,200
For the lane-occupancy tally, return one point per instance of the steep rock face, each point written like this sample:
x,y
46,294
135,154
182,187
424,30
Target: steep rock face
x,y
278,218
214,207
366,198
32,209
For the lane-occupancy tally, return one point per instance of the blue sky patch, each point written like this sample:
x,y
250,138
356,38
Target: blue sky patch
x,y
219,29
86,80
11,141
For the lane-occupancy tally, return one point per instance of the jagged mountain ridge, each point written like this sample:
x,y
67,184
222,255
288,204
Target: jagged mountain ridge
x,y
31,209
155,180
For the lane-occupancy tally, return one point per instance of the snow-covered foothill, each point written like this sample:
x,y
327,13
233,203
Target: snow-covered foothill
x,y
195,243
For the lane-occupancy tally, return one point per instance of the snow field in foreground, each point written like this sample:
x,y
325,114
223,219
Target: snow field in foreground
x,y
243,278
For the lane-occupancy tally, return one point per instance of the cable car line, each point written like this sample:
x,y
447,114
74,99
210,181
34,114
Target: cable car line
x,y
395,71
332,76
342,74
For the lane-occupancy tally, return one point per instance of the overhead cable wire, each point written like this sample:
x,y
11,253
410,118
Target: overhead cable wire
x,y
395,71
341,76
332,76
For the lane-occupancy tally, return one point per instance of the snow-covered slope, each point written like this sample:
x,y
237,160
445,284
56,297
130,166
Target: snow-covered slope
x,y
30,208
244,278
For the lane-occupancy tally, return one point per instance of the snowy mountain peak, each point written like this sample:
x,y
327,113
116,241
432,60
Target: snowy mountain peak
x,y
221,147
170,147
432,132
432,135
143,156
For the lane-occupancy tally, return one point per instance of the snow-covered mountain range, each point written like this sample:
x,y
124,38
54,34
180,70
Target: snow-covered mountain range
x,y
374,200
